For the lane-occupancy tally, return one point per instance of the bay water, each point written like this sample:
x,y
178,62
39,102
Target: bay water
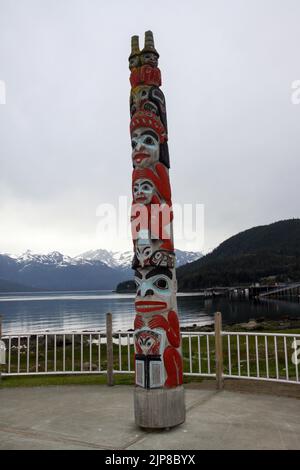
x,y
75,311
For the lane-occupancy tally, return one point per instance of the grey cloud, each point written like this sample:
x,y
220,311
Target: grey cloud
x,y
227,70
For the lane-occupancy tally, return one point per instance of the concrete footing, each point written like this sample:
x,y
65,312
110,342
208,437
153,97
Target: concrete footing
x,y
159,408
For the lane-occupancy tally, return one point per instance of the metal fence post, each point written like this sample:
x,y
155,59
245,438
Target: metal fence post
x,y
109,350
219,350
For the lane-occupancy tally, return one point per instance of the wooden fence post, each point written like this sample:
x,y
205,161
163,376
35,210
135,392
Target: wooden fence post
x,y
109,350
219,350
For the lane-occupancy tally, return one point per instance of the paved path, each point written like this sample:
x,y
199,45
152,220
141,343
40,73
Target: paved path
x,y
99,417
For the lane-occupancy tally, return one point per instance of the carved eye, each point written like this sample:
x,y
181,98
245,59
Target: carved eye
x,y
150,107
149,141
161,283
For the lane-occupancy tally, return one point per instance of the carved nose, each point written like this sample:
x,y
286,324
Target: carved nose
x,y
139,146
149,292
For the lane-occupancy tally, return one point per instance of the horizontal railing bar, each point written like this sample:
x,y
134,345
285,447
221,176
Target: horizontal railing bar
x,y
246,333
116,371
197,333
195,374
183,333
265,379
52,333
59,372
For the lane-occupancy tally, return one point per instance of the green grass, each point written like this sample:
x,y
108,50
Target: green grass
x,y
57,380
80,354
46,380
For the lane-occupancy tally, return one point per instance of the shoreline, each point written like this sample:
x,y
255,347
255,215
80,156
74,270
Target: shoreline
x,y
259,324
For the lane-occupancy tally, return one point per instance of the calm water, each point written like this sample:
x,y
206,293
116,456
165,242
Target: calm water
x,y
86,310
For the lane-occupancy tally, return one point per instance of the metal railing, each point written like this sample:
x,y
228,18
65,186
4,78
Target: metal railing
x,y
219,354
86,353
54,353
261,356
198,353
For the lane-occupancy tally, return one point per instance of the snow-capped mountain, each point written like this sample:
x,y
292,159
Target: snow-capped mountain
x,y
118,259
53,258
55,271
185,257
113,259
92,270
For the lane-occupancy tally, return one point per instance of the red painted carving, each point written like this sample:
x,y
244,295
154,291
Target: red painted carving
x,y
138,322
145,75
173,365
170,325
159,177
147,119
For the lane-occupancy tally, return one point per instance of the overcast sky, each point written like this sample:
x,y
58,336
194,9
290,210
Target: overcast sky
x,y
234,135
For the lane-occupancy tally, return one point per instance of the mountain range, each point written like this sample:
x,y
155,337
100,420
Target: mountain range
x,y
259,253
93,270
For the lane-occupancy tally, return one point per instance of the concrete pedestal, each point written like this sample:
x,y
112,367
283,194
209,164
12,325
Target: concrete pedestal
x,y
159,408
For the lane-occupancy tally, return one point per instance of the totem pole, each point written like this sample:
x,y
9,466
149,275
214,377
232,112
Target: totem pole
x,y
159,394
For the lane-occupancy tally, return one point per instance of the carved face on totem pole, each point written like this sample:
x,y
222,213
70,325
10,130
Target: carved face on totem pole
x,y
149,58
145,147
149,55
143,191
148,342
134,62
156,290
149,99
144,249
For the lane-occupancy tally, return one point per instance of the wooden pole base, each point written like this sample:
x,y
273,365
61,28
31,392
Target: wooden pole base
x,y
159,408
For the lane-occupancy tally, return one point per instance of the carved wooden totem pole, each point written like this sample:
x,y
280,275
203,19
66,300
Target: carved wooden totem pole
x,y
159,394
